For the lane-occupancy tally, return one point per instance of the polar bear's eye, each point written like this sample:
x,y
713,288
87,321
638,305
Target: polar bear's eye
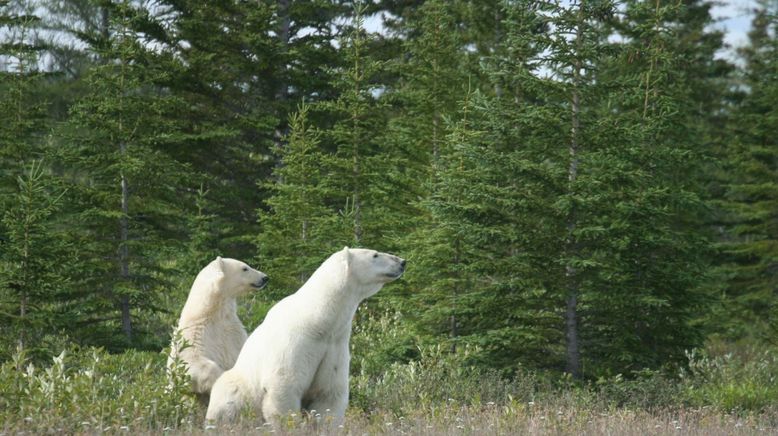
x,y
245,268
375,255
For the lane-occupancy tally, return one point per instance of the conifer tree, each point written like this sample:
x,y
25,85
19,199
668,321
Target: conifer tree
x,y
565,198
483,271
23,119
127,185
431,81
300,228
361,165
330,188
750,204
640,238
34,278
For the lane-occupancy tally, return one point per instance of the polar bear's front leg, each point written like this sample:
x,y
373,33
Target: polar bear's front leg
x,y
204,373
227,398
279,402
332,404
330,386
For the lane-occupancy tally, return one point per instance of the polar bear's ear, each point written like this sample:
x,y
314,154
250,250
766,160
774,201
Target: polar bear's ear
x,y
346,256
219,263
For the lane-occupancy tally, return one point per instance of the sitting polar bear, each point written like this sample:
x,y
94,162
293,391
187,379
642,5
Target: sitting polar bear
x,y
209,324
298,358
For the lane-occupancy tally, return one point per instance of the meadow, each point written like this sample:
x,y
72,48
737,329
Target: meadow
x,y
90,391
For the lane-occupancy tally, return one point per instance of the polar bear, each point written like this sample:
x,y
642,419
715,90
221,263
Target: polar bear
x,y
298,358
209,334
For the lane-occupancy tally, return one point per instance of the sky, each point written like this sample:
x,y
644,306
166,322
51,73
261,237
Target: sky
x,y
734,17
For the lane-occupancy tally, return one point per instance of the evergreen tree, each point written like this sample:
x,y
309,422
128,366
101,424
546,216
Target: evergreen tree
x,y
750,205
333,185
483,265
33,280
23,121
300,228
244,67
563,206
361,165
432,79
640,248
128,187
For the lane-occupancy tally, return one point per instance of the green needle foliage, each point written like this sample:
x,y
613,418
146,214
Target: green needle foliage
x,y
34,285
750,200
541,164
299,230
126,183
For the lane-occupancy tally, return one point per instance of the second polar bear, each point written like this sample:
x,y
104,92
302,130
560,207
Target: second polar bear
x,y
209,322
298,358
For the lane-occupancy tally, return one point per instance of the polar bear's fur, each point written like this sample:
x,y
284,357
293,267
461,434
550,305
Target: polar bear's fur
x,y
209,334
298,358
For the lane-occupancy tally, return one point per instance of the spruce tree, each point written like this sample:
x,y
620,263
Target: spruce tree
x,y
127,185
23,121
34,277
640,230
750,205
361,165
484,271
332,185
562,211
301,227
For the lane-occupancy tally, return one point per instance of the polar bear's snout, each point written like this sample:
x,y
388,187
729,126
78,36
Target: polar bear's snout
x,y
399,269
259,284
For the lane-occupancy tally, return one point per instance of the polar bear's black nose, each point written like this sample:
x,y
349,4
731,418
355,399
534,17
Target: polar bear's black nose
x,y
402,264
262,282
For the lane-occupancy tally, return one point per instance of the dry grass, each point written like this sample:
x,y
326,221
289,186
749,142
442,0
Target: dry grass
x,y
93,392
492,419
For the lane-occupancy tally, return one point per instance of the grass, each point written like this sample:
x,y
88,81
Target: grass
x,y
90,391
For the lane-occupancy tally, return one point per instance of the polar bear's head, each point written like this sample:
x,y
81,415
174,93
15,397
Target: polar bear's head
x,y
234,277
369,267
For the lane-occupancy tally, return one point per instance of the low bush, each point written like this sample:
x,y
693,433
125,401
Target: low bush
x,y
92,391
742,382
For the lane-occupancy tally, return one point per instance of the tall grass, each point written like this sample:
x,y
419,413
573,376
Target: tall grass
x,y
87,391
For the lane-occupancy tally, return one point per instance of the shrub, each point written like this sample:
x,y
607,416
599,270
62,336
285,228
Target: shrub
x,y
92,391
733,382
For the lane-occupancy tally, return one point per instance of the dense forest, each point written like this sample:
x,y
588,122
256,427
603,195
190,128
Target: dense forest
x,y
584,187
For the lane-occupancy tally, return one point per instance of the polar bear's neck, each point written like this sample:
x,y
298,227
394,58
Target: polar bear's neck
x,y
209,306
333,297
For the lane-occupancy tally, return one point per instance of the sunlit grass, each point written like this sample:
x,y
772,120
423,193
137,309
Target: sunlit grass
x,y
90,391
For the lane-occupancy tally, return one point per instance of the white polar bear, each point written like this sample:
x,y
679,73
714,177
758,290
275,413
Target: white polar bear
x,y
209,322
298,358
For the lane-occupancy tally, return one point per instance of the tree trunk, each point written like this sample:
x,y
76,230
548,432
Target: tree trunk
x,y
124,262
573,353
282,92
